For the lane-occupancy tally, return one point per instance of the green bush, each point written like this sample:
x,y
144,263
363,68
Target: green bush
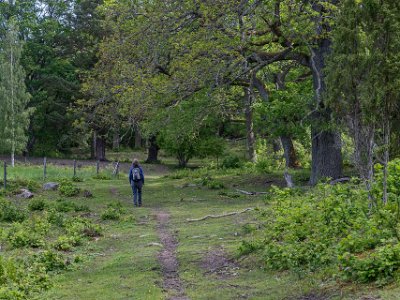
x,y
380,265
211,183
67,243
82,227
68,189
110,214
11,213
113,212
102,177
231,162
77,179
37,204
20,236
14,185
52,261
65,206
19,281
327,228
56,218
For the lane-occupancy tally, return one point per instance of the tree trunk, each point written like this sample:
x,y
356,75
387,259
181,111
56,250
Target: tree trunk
x,y
182,160
138,137
249,125
152,153
116,141
289,152
326,144
100,150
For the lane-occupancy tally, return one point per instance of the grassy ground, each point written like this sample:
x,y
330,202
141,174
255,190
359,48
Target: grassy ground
x,y
123,263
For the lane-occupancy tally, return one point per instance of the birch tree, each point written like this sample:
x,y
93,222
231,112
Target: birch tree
x,y
13,95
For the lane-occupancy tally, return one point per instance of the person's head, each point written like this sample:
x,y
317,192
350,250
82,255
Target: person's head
x,y
135,162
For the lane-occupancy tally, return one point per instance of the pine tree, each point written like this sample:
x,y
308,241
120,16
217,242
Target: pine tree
x,y
13,96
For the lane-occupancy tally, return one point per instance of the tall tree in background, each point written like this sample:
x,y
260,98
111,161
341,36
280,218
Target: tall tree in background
x,y
13,95
364,75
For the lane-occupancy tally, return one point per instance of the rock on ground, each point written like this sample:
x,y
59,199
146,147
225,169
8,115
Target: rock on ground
x,y
50,186
25,194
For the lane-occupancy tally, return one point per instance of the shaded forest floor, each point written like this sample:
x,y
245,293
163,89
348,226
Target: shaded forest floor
x,y
154,252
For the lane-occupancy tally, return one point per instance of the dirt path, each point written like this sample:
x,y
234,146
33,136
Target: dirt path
x,y
172,284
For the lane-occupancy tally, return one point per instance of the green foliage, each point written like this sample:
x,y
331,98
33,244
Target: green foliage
x,y
11,213
14,113
211,183
19,281
231,162
29,233
77,179
67,243
330,226
52,261
113,212
37,204
102,177
68,189
393,181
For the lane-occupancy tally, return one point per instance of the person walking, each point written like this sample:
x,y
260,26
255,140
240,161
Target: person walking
x,y
136,180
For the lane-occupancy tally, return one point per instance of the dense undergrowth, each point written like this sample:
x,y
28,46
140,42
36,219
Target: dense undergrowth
x,y
333,229
40,236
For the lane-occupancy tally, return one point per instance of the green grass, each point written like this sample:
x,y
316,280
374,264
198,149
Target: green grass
x,y
123,264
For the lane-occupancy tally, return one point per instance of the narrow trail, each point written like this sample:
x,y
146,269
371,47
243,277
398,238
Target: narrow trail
x,y
172,284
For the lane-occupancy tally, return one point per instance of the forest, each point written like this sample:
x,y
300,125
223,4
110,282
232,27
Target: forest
x,y
268,132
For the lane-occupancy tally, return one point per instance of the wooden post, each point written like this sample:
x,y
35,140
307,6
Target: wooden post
x,y
97,167
44,168
74,167
5,175
116,170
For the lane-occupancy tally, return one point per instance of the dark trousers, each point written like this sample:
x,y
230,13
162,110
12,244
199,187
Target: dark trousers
x,y
137,192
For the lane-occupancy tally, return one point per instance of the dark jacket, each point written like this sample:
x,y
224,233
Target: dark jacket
x,y
131,174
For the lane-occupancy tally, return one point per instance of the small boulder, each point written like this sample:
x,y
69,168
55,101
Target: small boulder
x,y
50,186
25,194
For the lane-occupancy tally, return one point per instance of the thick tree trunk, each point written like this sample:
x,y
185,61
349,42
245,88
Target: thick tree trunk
x,y
152,152
326,155
249,125
326,144
289,152
100,148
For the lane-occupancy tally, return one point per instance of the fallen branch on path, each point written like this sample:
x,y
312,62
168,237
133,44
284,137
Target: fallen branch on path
x,y
221,216
251,193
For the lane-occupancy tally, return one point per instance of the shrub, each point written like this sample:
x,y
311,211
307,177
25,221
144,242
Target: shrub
x,y
56,218
51,260
68,189
36,204
110,214
77,179
82,227
231,162
29,233
10,213
211,183
20,281
67,243
65,206
326,227
102,177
